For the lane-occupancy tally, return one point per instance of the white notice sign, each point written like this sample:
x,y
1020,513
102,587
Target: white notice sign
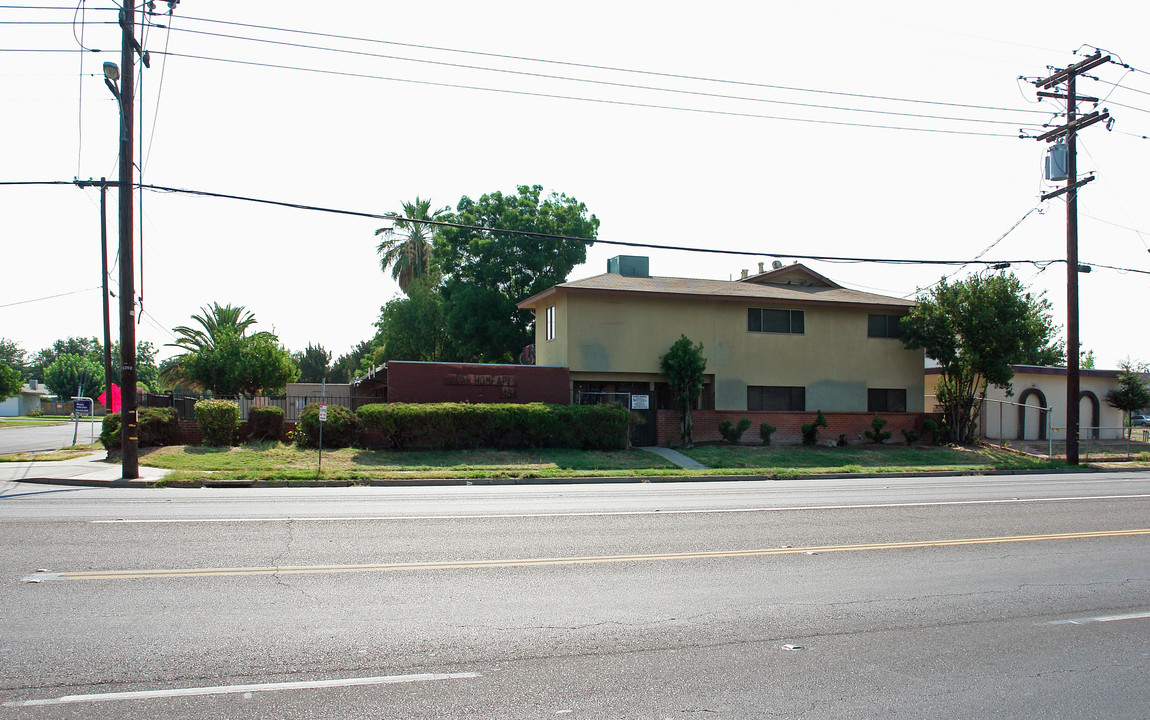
x,y
640,402
323,413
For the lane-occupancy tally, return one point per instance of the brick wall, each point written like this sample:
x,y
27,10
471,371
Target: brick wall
x,y
420,382
788,424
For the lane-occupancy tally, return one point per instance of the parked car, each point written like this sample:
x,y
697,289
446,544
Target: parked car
x,y
1140,420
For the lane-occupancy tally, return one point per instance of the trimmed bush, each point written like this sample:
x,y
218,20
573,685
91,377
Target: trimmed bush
x,y
156,426
765,432
733,433
937,431
876,434
219,420
811,430
450,426
910,435
266,422
341,429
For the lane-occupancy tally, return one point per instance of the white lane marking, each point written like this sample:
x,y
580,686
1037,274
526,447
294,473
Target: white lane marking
x,y
506,516
236,689
1102,618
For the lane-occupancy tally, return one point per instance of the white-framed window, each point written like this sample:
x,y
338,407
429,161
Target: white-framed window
x,y
549,326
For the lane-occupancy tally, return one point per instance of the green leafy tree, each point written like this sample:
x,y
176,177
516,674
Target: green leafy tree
x,y
87,347
412,328
10,382
684,365
1132,393
406,246
313,363
69,372
12,355
221,357
1086,359
976,329
147,369
347,366
487,272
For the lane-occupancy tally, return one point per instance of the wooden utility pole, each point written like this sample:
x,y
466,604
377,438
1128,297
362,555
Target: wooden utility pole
x,y
103,185
129,432
1070,131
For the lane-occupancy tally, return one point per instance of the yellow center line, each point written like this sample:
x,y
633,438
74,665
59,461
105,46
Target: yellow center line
x,y
528,562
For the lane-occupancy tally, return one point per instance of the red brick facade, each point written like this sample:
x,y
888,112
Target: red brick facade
x,y
788,425
421,382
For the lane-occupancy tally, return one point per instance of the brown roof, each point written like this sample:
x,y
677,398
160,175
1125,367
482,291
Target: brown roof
x,y
795,294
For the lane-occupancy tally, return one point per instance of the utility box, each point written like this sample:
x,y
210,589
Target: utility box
x,y
629,266
1057,162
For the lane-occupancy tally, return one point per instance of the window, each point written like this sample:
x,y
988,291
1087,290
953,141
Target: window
x,y
883,326
550,326
885,400
770,320
776,397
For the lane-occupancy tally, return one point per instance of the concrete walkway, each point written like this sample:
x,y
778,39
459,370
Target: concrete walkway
x,y
676,457
91,470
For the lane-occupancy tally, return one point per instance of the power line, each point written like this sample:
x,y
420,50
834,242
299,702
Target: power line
x,y
608,83
602,101
49,297
609,68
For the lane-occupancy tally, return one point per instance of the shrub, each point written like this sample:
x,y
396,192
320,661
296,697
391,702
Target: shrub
x,y
910,435
765,432
733,433
341,429
937,430
811,430
36,413
876,434
266,422
448,426
155,427
218,420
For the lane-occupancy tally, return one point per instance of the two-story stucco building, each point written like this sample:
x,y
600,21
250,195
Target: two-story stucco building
x,y
786,339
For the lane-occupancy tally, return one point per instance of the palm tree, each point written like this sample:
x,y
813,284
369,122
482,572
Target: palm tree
x,y
406,245
214,322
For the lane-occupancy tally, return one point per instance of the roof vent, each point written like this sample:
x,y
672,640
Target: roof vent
x,y
761,270
629,266
777,264
744,271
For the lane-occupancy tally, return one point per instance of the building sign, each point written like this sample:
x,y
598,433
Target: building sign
x,y
640,402
505,383
82,407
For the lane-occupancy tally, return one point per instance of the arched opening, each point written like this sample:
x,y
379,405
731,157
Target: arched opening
x,y
1095,413
1038,417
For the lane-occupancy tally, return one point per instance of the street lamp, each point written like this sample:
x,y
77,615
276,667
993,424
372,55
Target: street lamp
x,y
111,75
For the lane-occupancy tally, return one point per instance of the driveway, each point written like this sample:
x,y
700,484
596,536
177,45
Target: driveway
x,y
37,439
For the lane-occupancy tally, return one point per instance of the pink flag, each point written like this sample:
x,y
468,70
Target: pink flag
x,y
115,406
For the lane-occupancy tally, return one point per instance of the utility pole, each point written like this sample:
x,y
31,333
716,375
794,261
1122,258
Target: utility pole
x,y
1070,132
103,185
129,433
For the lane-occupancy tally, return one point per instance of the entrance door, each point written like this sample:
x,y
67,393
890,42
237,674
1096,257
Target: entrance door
x,y
642,426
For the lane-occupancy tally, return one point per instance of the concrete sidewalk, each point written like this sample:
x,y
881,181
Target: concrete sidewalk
x,y
90,470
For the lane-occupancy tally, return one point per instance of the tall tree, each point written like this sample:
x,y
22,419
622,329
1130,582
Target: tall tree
x,y
70,372
313,363
406,246
1132,393
684,365
487,272
412,328
976,329
12,355
10,381
221,357
88,347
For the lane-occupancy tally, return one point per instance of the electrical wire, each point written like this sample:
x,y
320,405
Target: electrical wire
x,y
602,101
49,297
607,83
676,76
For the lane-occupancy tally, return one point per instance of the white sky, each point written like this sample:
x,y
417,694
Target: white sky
x,y
662,176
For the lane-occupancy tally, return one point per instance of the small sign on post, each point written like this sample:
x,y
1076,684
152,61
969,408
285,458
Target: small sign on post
x,y
323,412
83,406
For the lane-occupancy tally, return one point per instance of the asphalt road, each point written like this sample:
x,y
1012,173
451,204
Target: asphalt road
x,y
1004,597
16,439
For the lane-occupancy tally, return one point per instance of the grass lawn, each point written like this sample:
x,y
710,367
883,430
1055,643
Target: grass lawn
x,y
787,460
23,423
278,462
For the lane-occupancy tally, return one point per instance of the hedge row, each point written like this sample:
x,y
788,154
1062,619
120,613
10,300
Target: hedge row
x,y
449,426
155,426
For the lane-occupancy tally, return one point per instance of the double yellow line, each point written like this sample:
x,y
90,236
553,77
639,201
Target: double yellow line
x,y
529,562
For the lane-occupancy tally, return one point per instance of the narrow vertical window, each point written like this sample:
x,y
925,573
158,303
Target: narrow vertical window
x,y
550,323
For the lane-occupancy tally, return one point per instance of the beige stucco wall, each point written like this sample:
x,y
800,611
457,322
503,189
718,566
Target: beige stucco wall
x,y
1000,414
834,359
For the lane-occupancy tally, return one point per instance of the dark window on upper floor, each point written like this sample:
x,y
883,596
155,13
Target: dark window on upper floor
x,y
884,326
772,320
